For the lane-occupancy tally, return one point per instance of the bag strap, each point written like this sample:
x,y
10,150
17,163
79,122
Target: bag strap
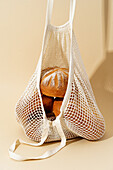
x,y
48,153
72,10
47,22
49,11
50,7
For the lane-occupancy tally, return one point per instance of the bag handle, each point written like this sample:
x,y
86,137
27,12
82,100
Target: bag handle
x,y
72,10
50,7
48,153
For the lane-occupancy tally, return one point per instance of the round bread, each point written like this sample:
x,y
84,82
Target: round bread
x,y
47,103
56,106
46,70
54,82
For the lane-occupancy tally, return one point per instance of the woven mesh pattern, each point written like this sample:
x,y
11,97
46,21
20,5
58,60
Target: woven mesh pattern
x,y
53,134
29,111
56,48
81,116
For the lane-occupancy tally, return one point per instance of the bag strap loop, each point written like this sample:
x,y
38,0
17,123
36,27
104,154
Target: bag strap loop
x,y
50,7
47,154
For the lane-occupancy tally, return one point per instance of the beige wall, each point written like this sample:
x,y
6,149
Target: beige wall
x,y
21,32
89,24
110,26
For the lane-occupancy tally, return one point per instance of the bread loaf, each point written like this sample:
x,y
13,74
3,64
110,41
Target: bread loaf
x,y
54,82
47,103
57,105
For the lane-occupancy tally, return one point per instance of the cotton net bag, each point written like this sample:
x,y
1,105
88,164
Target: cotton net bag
x,y
79,113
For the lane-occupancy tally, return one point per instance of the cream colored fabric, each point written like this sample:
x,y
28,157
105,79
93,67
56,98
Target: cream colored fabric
x,y
44,136
79,115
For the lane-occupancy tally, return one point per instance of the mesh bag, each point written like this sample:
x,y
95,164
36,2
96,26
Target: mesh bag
x,y
79,113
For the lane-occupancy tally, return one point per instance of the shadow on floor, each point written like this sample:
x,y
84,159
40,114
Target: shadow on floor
x,y
102,84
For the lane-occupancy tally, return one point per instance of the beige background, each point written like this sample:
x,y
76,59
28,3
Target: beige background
x,y
110,26
21,32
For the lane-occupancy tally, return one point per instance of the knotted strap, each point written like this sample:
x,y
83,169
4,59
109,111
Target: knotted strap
x,y
48,153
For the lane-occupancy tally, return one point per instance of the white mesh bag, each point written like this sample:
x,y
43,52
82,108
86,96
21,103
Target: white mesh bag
x,y
79,113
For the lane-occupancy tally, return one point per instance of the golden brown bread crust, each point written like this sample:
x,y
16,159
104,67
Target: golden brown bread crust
x,y
54,82
56,106
47,103
46,70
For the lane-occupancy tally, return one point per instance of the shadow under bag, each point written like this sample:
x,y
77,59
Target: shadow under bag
x,y
79,113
